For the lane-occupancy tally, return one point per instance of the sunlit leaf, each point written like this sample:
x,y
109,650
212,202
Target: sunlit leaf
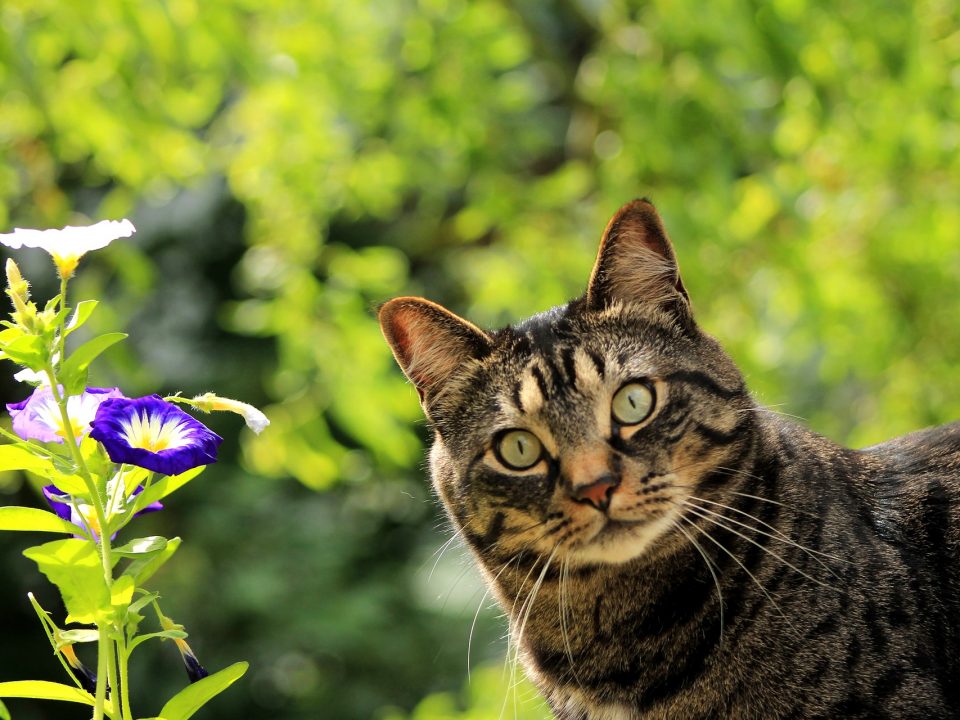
x,y
73,372
25,518
74,566
142,569
186,702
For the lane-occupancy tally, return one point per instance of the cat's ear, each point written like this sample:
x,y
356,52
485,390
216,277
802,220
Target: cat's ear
x,y
428,341
636,263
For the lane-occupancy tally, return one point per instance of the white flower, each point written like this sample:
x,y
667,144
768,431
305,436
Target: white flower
x,y
254,418
69,244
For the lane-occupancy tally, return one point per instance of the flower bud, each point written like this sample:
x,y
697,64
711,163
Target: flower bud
x,y
18,289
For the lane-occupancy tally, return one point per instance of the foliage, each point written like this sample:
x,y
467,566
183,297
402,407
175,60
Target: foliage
x,y
106,460
804,156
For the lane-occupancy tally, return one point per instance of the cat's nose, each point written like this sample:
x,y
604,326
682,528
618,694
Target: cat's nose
x,y
596,493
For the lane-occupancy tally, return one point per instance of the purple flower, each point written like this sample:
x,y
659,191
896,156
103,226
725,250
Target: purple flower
x,y
82,514
39,418
153,434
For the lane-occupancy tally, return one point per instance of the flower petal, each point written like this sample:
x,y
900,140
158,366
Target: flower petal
x,y
153,434
38,417
71,240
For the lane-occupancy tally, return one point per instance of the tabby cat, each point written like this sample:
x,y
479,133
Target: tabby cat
x,y
665,548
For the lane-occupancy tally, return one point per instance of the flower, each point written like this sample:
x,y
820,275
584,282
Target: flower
x,y
86,676
38,417
82,514
208,402
195,671
153,434
69,244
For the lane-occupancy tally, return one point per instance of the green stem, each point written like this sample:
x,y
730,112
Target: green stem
x,y
125,712
112,674
105,646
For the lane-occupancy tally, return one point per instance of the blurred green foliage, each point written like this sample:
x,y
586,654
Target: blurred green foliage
x,y
291,164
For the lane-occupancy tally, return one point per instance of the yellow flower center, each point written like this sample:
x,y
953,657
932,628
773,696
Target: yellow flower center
x,y
153,434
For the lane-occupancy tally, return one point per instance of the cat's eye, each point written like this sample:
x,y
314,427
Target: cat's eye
x,y
518,449
633,403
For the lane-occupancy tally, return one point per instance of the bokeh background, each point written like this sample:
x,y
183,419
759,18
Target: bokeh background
x,y
289,165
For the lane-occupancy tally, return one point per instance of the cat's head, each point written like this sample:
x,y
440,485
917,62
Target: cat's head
x,y
583,429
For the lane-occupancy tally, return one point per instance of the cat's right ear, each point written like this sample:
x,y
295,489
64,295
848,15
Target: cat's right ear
x,y
428,341
636,263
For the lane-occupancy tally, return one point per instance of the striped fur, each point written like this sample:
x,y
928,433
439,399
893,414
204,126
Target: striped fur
x,y
728,563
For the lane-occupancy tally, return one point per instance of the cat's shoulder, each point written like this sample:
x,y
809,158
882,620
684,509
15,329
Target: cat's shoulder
x,y
937,446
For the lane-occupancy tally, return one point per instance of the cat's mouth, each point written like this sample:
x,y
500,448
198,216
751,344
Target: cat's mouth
x,y
621,540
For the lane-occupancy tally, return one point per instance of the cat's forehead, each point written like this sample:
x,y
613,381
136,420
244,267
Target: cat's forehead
x,y
621,337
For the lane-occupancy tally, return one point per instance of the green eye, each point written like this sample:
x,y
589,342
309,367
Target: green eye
x,y
633,403
518,449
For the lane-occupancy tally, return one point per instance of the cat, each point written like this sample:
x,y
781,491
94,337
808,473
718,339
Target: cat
x,y
664,547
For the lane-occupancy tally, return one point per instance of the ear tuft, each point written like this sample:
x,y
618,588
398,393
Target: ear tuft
x,y
428,341
636,262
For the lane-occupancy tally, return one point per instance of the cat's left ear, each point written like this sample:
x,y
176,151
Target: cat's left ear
x,y
428,341
636,263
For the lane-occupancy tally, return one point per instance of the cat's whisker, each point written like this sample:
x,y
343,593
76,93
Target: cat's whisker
x,y
440,551
768,500
510,660
778,535
564,632
696,511
770,409
753,577
524,615
476,615
710,567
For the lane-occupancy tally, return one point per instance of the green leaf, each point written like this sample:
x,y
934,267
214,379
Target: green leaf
x,y
73,373
73,565
163,634
167,485
71,637
27,350
25,518
4,713
80,315
186,702
18,457
44,690
140,547
68,483
143,568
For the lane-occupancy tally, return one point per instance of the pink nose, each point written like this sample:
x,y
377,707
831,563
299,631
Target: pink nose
x,y
596,493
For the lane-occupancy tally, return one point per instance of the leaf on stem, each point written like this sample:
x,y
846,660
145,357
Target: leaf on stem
x,y
25,518
168,485
17,457
80,315
143,568
186,702
45,690
146,546
73,565
73,372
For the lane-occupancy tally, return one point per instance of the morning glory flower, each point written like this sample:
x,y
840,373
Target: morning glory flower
x,y
69,244
195,671
82,514
208,402
153,434
38,417
86,676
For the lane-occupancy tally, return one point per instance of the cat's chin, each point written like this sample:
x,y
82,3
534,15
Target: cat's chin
x,y
620,541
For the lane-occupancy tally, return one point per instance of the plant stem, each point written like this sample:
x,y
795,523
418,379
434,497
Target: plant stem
x,y
125,712
105,646
112,674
